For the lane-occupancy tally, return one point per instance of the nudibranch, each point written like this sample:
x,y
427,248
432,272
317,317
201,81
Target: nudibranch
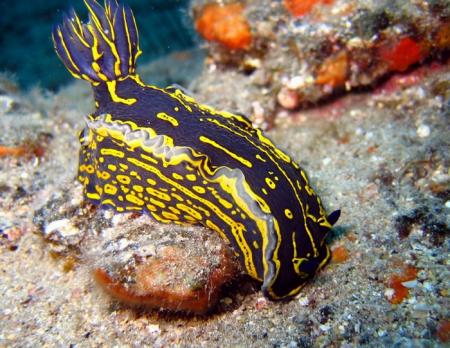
x,y
158,151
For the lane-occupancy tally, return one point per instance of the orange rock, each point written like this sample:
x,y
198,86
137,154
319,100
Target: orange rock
x,y
28,148
225,24
12,151
395,282
339,254
152,283
301,7
401,55
442,40
333,71
443,331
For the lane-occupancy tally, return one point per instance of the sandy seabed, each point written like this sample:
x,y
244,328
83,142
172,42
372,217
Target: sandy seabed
x,y
381,157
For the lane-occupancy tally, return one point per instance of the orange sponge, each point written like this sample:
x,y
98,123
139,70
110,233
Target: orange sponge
x,y
225,24
301,7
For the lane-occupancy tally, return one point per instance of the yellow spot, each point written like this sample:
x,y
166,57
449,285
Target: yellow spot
x,y
138,188
270,183
151,207
158,203
175,210
258,156
255,244
99,189
165,117
169,216
176,108
91,195
158,194
199,189
228,152
191,177
177,197
177,176
123,179
112,167
151,181
136,175
89,169
288,214
225,203
190,218
302,173
109,201
104,175
264,191
123,166
110,189
192,212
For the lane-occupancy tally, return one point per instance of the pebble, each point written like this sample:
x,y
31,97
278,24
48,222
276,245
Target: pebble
x,y
410,284
63,226
227,301
326,161
303,301
422,307
153,329
288,98
427,286
423,131
388,293
261,303
6,104
324,327
299,81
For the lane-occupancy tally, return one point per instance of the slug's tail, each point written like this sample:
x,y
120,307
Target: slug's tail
x,y
103,49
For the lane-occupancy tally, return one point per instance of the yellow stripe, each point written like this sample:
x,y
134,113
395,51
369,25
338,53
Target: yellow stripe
x,y
63,43
79,35
112,92
130,56
112,152
238,234
109,42
228,152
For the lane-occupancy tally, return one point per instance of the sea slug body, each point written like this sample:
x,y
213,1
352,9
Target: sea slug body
x,y
158,151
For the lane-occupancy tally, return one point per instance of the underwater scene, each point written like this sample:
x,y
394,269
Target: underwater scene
x,y
225,173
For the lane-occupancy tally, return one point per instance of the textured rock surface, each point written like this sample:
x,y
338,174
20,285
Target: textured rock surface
x,y
333,47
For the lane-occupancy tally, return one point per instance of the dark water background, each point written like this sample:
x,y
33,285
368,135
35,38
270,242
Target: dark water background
x,y
26,49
